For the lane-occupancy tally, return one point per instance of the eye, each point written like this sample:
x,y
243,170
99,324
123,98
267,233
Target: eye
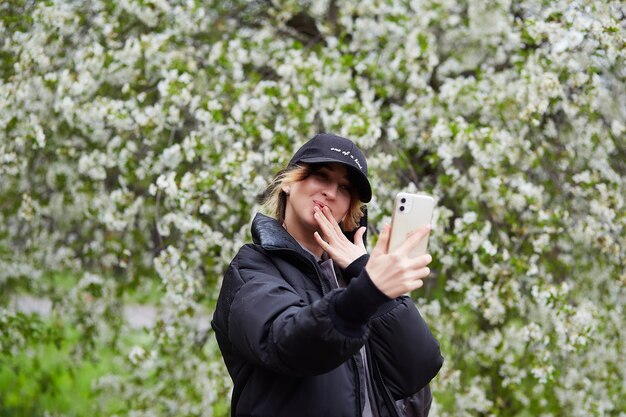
x,y
345,188
321,175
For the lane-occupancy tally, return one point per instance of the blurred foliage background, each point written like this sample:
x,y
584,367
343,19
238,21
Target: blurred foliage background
x,y
135,136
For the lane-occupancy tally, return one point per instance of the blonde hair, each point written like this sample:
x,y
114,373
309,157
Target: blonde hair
x,y
274,199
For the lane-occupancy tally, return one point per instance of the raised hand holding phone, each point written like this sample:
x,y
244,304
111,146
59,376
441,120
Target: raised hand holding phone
x,y
398,263
410,213
396,273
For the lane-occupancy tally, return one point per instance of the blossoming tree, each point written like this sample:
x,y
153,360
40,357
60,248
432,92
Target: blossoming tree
x,y
137,134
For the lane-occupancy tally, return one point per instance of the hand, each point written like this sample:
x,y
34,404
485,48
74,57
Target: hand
x,y
334,242
396,273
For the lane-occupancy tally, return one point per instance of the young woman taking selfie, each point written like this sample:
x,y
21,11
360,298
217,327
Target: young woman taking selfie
x,y
308,323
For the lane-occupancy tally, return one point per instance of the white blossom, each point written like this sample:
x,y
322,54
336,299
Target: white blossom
x,y
137,138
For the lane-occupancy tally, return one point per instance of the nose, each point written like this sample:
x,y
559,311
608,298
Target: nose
x,y
330,191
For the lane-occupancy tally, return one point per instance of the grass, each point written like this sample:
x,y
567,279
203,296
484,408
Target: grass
x,y
46,377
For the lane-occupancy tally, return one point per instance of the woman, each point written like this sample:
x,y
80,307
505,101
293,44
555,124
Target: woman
x,y
308,323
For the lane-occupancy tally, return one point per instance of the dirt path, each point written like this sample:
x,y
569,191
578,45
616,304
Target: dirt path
x,y
136,315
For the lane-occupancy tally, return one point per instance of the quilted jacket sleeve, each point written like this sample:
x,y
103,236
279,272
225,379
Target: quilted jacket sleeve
x,y
267,322
406,351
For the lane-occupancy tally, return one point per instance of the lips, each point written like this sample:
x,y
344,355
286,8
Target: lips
x,y
319,204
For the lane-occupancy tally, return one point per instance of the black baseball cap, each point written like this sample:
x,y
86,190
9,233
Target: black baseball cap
x,y
326,147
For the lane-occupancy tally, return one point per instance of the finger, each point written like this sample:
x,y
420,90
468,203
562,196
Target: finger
x,y
413,240
323,244
322,221
422,273
413,285
358,237
422,261
383,242
331,219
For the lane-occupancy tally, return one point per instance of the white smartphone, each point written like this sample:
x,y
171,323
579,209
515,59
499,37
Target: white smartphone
x,y
410,212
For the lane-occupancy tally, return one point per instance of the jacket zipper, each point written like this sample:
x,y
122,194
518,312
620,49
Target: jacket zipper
x,y
384,391
357,380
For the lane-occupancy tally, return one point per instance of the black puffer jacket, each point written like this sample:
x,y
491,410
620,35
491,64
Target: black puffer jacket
x,y
291,344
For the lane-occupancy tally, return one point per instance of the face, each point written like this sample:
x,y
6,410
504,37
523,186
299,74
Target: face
x,y
327,186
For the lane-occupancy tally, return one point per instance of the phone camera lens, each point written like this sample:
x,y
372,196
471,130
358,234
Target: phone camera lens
x,y
403,200
401,208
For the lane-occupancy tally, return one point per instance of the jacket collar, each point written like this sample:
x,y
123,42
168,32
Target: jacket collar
x,y
269,234
272,236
